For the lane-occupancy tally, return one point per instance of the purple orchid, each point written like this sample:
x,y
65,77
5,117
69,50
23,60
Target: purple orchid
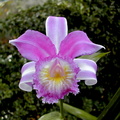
x,y
54,70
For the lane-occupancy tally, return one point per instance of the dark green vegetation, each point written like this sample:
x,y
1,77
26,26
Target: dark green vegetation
x,y
99,19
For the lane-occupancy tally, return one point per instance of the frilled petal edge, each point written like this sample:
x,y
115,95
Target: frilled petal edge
x,y
87,71
26,81
34,45
51,88
76,44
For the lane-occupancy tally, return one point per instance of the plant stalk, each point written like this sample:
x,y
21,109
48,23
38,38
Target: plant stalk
x,y
61,108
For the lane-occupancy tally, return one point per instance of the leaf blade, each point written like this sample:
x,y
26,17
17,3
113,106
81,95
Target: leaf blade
x,y
78,112
95,57
51,116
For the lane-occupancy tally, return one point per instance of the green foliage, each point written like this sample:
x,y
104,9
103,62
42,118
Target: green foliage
x,y
112,108
95,57
51,116
99,19
78,112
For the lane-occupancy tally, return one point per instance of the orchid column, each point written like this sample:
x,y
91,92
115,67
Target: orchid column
x,y
54,70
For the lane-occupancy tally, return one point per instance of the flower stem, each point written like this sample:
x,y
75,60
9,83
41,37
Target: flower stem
x,y
61,108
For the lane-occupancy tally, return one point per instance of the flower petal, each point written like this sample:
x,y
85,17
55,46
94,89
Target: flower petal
x,y
87,71
54,86
76,44
26,81
34,45
56,30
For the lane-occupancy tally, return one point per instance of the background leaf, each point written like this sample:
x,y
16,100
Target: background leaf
x,y
78,112
95,57
51,116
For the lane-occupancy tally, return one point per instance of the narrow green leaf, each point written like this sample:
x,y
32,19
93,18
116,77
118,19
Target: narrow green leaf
x,y
112,110
95,57
77,112
51,116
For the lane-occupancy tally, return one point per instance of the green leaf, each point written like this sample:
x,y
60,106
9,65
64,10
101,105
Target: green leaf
x,y
77,112
51,116
95,57
112,109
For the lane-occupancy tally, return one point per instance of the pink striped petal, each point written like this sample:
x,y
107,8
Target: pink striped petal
x,y
76,44
34,45
26,81
87,71
56,30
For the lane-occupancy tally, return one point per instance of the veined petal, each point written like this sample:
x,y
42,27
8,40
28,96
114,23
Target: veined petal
x,y
76,44
87,71
26,81
56,30
34,45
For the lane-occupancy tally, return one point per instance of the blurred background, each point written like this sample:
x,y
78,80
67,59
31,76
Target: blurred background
x,y
98,18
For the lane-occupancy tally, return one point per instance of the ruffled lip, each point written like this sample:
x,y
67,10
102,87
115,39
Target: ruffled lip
x,y
54,89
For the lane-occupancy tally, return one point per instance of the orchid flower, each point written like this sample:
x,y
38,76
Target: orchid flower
x,y
54,70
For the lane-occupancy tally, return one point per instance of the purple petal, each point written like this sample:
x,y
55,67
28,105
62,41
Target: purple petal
x,y
76,44
54,86
34,45
26,81
56,30
87,72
